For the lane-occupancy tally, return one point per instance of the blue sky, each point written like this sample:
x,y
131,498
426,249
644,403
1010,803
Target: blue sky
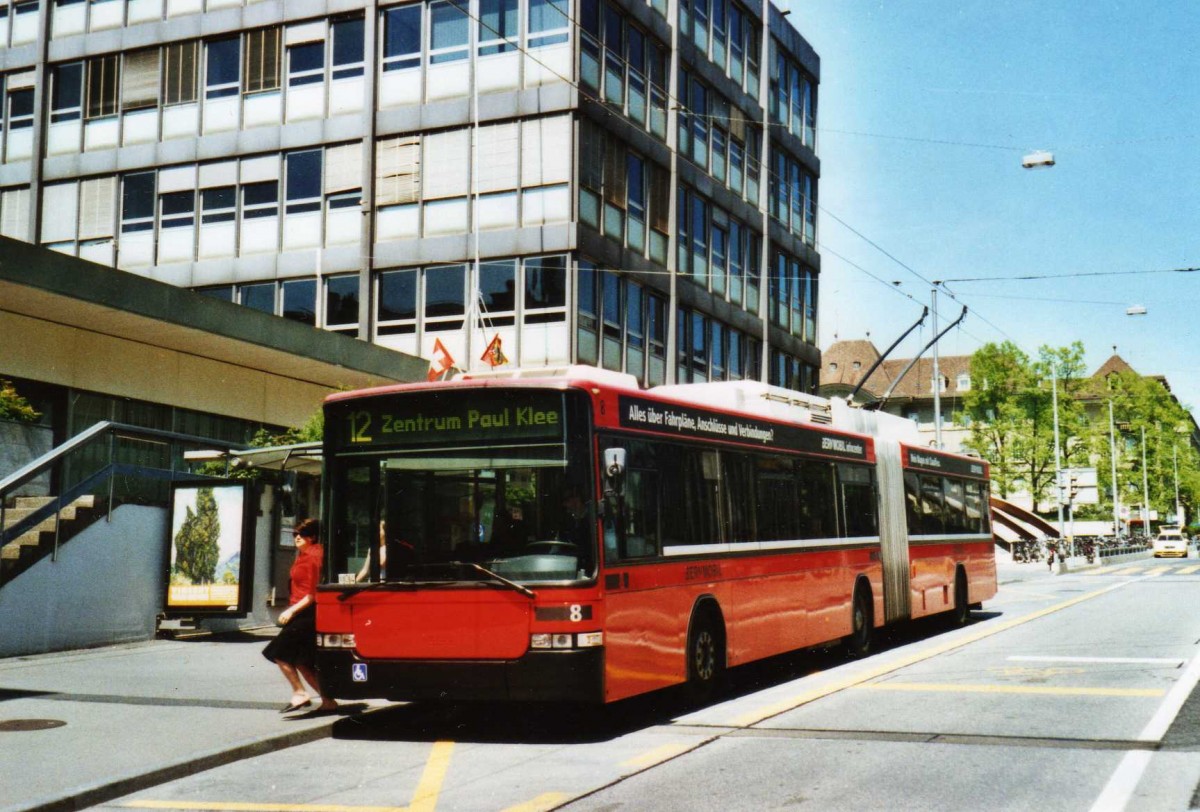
x,y
926,108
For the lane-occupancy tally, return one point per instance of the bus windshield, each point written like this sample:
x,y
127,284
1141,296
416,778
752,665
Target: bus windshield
x,y
452,511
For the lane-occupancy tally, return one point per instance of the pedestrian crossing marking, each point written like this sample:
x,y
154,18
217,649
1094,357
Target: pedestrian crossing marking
x,y
1152,571
937,687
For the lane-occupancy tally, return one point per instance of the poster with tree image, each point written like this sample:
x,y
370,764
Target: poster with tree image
x,y
206,542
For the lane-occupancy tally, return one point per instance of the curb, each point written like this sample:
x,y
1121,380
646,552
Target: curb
x,y
106,791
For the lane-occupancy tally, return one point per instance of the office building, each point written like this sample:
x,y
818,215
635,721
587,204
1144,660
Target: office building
x,y
493,182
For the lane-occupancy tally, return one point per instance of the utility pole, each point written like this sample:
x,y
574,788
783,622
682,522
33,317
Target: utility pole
x,y
1112,453
1057,453
1145,490
937,379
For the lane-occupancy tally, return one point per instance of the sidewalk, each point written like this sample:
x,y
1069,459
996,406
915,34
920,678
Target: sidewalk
x,y
81,727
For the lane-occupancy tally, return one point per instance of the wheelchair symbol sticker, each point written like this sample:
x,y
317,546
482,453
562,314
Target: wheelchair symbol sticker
x,y
358,672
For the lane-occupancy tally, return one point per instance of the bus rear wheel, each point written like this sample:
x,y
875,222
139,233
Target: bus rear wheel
x,y
705,657
962,605
858,643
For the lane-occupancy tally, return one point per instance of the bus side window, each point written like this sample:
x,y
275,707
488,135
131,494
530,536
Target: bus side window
x,y
816,499
858,500
974,506
912,503
739,497
933,512
641,514
956,510
779,514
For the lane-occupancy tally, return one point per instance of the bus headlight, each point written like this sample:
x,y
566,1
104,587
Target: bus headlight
x,y
590,640
566,640
335,640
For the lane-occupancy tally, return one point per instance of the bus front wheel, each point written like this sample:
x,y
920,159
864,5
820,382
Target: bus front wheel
x,y
705,657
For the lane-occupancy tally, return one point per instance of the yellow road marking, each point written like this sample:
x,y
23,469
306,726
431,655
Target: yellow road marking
x,y
762,714
543,802
232,806
430,786
1157,570
1010,689
424,799
1125,571
658,755
1189,570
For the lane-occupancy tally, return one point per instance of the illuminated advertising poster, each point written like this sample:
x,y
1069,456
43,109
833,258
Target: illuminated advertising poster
x,y
207,548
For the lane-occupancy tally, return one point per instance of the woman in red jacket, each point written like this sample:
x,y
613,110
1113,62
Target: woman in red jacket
x,y
294,649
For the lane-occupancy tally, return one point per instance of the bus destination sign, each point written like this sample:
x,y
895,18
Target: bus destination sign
x,y
923,459
639,413
420,419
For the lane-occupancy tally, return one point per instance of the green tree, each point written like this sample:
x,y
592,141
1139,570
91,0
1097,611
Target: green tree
x,y
1000,372
196,544
1143,407
15,407
1012,415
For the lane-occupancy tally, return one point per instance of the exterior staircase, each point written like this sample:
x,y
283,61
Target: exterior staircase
x,y
42,539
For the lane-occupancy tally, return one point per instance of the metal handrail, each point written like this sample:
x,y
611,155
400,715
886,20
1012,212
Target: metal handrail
x,y
104,431
51,457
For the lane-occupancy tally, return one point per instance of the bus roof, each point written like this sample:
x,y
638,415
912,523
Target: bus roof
x,y
749,398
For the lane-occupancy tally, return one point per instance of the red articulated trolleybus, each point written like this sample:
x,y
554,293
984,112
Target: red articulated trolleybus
x,y
576,538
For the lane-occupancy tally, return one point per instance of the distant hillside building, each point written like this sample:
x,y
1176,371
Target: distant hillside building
x,y
845,363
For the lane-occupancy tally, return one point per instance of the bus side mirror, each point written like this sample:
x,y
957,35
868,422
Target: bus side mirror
x,y
614,465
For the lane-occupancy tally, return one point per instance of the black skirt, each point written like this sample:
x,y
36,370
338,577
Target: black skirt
x,y
296,643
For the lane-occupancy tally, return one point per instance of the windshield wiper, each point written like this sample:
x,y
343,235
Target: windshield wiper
x,y
354,590
524,590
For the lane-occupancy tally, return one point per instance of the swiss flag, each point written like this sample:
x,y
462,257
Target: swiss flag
x,y
440,361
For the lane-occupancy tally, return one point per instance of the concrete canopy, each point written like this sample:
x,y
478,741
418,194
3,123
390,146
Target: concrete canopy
x,y
73,323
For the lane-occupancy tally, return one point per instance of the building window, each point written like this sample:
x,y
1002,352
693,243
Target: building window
x,y
300,300
963,382
445,297
259,297
306,63
498,28
102,76
262,59
221,72
140,80
545,289
402,37
66,93
137,202
396,302
303,181
549,23
449,32
178,209
341,303
218,205
347,47
180,63
497,293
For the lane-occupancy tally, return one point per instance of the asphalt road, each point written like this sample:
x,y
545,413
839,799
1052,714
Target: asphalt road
x,y
1067,692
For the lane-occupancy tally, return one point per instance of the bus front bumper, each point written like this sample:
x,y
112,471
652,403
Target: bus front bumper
x,y
575,675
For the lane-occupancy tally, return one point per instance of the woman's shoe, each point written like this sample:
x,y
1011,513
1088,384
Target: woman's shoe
x,y
295,706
